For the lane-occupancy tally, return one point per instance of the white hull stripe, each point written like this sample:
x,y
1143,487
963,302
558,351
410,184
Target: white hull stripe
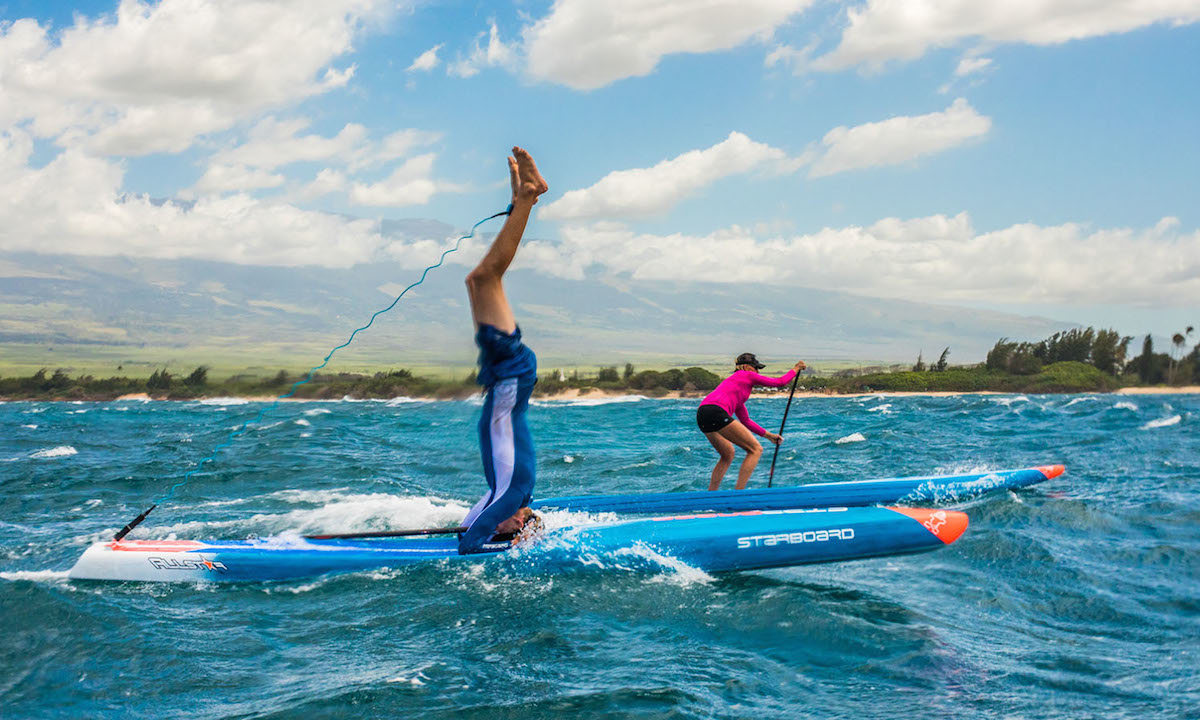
x,y
504,450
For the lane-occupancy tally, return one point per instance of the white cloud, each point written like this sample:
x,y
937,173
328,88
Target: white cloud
x,y
899,139
495,54
586,44
274,143
886,30
935,258
226,178
796,60
327,182
394,146
154,76
648,191
74,205
409,184
971,65
426,61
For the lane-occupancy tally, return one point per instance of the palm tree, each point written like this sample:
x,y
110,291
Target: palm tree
x,y
1179,340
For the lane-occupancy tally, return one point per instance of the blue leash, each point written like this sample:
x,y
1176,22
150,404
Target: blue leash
x,y
292,391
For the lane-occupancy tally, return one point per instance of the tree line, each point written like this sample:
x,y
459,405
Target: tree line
x,y
1105,350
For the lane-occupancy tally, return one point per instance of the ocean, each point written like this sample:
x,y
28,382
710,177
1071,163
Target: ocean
x,y
1077,598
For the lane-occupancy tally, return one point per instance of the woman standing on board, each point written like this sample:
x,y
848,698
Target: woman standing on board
x,y
716,421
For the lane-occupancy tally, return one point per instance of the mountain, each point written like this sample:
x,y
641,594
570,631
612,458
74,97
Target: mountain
x,y
97,312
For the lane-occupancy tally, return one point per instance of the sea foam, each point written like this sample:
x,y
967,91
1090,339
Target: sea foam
x,y
1163,422
55,452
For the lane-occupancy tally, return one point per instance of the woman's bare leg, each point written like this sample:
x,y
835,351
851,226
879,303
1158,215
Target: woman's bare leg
x,y
725,450
739,435
489,305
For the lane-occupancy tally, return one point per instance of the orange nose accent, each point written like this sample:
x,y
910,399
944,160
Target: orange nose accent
x,y
1051,471
947,525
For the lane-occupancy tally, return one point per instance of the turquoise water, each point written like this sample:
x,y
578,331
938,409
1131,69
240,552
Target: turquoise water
x,y
1073,599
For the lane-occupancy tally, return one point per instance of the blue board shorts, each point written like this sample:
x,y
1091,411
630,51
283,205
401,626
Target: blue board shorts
x,y
508,369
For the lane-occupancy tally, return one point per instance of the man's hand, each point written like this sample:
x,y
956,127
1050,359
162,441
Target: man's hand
x,y
799,366
774,437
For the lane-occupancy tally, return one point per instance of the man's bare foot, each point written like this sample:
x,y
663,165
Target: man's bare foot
x,y
527,182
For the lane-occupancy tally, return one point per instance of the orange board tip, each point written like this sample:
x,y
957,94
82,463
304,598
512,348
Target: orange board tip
x,y
946,525
1052,471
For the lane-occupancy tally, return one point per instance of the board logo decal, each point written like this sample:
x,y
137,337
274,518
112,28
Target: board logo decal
x,y
935,522
795,538
161,563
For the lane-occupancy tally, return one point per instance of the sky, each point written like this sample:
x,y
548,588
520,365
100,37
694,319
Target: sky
x,y
1033,156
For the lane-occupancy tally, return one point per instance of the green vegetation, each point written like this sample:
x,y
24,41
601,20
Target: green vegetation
x,y
1067,376
394,383
1079,360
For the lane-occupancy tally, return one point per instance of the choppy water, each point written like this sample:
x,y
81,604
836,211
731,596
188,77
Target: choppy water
x,y
1077,598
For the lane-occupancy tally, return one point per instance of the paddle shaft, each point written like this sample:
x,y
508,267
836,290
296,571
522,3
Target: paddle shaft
x,y
775,457
390,533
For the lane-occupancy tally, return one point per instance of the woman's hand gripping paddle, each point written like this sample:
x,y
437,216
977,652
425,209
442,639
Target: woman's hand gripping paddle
x,y
787,409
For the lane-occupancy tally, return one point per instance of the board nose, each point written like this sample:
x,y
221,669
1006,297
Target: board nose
x,y
946,525
1051,471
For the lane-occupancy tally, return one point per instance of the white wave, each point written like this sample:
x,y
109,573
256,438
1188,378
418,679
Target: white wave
x,y
76,412
964,467
568,458
252,427
31,427
296,589
1125,405
302,422
1008,401
317,411
851,438
414,676
1076,401
679,572
1163,422
55,452
939,492
48,576
884,409
224,401
592,402
402,400
332,512
305,435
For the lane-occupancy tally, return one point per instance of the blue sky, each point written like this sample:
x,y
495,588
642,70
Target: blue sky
x,y
1032,157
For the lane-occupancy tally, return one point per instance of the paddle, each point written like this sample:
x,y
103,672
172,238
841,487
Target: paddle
x,y
784,422
390,533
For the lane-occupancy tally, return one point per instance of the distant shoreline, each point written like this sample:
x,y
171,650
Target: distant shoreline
x,y
598,394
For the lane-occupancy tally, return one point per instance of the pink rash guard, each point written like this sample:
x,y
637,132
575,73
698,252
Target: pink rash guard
x,y
732,393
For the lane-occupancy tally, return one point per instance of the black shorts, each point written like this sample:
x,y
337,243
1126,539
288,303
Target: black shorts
x,y
712,418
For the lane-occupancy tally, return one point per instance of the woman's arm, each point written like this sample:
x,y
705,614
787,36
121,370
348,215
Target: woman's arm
x,y
773,382
745,418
